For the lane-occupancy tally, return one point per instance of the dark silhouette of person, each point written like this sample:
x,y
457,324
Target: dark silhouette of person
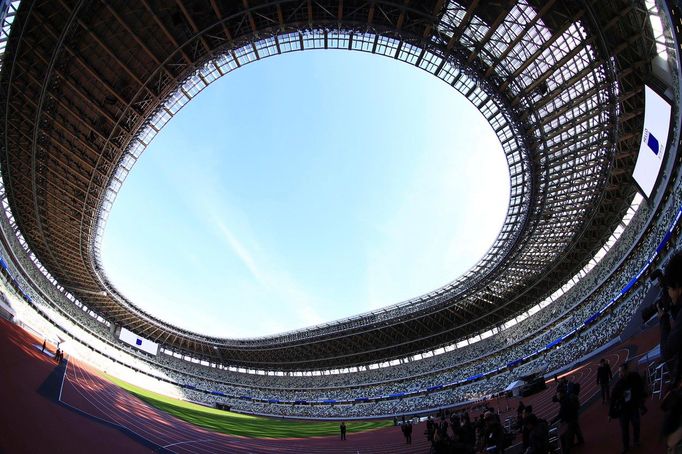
x,y
524,426
573,393
567,417
538,435
604,376
670,320
407,431
430,429
44,345
493,433
519,413
343,430
672,418
467,431
627,401
442,428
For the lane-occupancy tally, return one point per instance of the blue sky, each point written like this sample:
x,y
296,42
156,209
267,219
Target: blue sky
x,y
306,188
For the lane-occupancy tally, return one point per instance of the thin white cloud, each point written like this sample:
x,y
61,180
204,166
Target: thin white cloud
x,y
242,252
282,288
291,304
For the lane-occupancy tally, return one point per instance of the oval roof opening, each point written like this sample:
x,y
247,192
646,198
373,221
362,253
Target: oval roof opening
x,y
303,189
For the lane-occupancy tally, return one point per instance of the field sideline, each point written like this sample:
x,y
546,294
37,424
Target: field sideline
x,y
244,425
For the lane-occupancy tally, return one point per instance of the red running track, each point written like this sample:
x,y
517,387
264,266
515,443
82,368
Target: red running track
x,y
32,423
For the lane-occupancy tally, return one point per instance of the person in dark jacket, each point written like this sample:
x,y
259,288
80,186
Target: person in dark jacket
x,y
407,431
604,376
430,429
467,432
493,433
524,426
627,402
567,418
442,428
519,413
538,435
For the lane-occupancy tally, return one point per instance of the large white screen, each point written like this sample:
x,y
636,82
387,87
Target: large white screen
x,y
138,342
654,142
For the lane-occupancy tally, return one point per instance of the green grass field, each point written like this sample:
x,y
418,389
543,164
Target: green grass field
x,y
243,425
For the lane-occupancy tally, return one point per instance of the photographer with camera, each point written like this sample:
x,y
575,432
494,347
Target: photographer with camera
x,y
671,350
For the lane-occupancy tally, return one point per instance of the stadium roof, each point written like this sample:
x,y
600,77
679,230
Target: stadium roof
x,y
86,85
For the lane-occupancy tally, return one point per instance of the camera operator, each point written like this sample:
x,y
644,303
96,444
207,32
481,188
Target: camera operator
x,y
670,320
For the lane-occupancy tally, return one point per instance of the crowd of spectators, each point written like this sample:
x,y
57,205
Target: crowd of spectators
x,y
310,403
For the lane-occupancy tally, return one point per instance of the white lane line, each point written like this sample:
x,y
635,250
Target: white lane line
x,y
61,388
